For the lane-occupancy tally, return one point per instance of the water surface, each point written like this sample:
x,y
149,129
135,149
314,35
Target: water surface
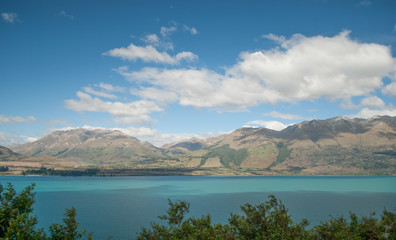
x,y
119,206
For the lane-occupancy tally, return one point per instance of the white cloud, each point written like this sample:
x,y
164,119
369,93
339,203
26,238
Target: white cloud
x,y
154,40
153,136
305,68
193,87
369,113
156,94
110,88
274,125
166,31
192,30
12,120
136,112
315,67
348,104
11,139
186,56
10,17
31,139
372,106
99,94
372,102
283,115
105,90
390,89
64,14
151,39
276,38
150,54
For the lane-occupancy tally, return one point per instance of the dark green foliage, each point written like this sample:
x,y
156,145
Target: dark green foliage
x,y
178,228
69,229
264,221
282,155
53,172
3,169
17,221
227,155
358,228
268,220
387,226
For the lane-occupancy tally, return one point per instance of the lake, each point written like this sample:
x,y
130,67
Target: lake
x,y
119,206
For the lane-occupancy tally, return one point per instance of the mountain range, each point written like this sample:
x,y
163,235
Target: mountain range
x,y
319,147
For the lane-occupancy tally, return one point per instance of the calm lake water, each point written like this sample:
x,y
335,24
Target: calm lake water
x,y
119,206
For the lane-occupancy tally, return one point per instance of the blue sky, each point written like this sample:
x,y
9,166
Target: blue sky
x,y
163,71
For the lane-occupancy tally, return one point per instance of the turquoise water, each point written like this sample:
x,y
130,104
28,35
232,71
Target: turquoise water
x,y
119,206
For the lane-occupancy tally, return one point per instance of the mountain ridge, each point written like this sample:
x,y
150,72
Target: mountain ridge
x,y
337,145
92,147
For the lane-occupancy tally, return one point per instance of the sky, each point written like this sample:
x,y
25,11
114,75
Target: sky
x,y
162,71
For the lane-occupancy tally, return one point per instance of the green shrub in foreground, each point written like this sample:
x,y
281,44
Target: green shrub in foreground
x,y
17,222
268,220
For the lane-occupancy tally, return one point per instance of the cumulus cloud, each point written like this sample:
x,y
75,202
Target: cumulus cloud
x,y
156,94
274,125
136,112
10,17
390,89
12,120
303,68
150,54
372,106
283,115
372,102
151,39
369,112
315,67
348,104
193,87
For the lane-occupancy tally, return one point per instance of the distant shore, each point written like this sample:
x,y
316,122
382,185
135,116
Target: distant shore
x,y
108,172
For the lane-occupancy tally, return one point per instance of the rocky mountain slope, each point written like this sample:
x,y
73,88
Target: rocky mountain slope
x,y
93,147
192,144
337,145
7,154
14,163
333,146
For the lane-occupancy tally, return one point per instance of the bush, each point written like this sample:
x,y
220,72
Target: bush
x,y
268,220
17,221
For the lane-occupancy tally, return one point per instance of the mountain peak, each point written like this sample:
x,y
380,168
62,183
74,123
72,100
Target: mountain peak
x,y
90,145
